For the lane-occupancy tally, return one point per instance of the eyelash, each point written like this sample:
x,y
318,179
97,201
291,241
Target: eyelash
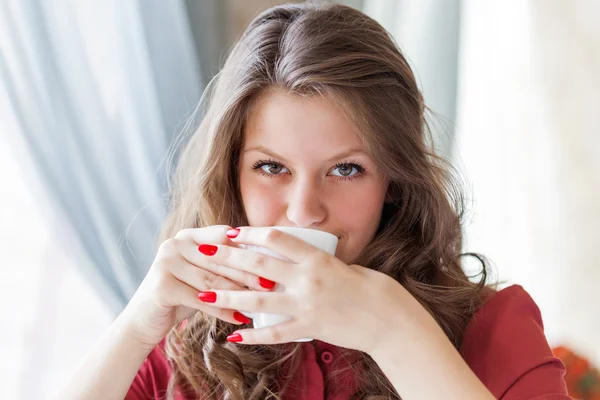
x,y
257,166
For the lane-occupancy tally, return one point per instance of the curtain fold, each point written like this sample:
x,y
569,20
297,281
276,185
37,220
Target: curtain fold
x,y
427,32
99,90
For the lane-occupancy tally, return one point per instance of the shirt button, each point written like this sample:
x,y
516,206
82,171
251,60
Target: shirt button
x,y
326,357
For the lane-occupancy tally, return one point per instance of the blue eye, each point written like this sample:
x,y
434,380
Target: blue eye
x,y
347,170
273,168
270,168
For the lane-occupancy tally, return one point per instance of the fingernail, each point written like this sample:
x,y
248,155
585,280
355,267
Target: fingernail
x,y
232,233
266,283
238,316
234,338
208,297
208,249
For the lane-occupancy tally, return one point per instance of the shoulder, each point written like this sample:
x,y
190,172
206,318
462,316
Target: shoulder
x,y
504,316
152,379
504,344
511,303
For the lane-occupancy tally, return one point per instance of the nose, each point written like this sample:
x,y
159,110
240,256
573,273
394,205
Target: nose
x,y
305,206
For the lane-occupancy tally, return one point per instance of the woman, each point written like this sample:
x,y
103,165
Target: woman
x,y
316,121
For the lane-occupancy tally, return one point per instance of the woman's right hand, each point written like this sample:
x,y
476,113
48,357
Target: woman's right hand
x,y
169,292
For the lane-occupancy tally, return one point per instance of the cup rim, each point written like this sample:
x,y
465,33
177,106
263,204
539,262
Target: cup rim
x,y
298,229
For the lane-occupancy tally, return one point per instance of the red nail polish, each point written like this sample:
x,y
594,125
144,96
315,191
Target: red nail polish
x,y
208,249
238,316
234,338
207,297
266,283
232,233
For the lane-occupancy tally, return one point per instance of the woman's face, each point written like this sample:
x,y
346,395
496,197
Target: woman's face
x,y
302,165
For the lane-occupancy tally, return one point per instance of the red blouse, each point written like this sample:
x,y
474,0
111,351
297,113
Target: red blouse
x,y
504,345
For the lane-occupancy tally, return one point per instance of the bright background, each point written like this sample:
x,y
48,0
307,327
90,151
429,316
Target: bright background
x,y
93,93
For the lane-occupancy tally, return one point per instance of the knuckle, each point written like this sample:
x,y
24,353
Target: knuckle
x,y
260,262
167,258
222,314
275,334
260,303
320,259
209,280
169,248
272,235
315,282
182,234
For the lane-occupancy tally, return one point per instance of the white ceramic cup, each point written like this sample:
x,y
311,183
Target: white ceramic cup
x,y
322,240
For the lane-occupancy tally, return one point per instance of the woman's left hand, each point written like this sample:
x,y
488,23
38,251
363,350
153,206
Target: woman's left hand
x,y
346,305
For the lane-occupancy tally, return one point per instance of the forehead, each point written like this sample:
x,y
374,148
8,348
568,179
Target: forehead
x,y
299,124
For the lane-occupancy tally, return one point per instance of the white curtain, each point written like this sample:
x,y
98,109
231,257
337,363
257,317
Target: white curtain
x,y
520,78
98,89
528,137
92,95
427,33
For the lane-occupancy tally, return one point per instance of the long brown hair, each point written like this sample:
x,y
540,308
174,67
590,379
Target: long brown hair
x,y
322,49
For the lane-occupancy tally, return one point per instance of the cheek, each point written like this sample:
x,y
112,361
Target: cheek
x,y
360,207
262,202
357,213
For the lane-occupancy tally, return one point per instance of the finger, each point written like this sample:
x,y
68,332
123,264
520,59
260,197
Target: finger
x,y
191,255
281,333
201,279
188,296
190,239
224,258
190,252
252,301
280,242
216,234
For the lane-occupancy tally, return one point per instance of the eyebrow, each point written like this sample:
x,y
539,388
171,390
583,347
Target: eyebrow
x,y
271,153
